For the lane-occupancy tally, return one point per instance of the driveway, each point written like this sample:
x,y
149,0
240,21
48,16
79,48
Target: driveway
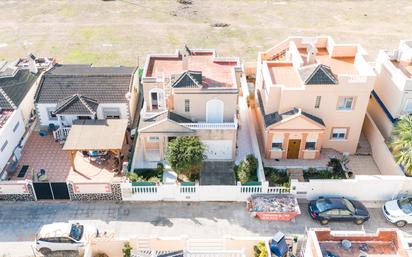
x,y
20,221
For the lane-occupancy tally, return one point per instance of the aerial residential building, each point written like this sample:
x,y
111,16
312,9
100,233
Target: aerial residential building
x,y
80,92
312,93
392,95
190,93
18,83
385,242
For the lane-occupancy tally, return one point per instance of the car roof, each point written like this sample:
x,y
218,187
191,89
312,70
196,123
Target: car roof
x,y
334,202
57,229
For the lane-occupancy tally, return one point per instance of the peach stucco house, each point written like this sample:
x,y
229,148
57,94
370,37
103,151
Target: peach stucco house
x,y
392,95
190,93
311,94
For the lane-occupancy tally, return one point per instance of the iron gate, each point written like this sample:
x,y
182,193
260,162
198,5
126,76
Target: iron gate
x,y
51,190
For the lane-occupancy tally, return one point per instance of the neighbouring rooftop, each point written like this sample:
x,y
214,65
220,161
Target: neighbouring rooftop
x,y
404,66
4,115
299,61
215,71
385,242
102,84
401,57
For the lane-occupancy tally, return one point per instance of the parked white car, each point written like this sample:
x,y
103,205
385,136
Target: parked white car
x,y
398,212
63,237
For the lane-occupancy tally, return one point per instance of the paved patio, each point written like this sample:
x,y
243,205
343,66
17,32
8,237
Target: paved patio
x,y
44,153
217,173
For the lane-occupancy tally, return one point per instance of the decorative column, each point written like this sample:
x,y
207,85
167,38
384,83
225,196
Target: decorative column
x,y
285,145
319,142
302,145
269,137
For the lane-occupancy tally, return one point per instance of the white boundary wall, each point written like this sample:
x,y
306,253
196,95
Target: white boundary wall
x,y
177,192
362,187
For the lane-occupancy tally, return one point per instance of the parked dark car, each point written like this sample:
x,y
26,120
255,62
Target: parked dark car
x,y
327,209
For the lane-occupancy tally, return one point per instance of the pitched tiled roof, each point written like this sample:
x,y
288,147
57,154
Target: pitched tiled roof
x,y
14,88
77,104
188,79
317,74
275,117
167,115
103,84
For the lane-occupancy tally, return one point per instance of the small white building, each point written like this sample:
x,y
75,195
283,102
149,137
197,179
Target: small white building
x,y
75,92
18,83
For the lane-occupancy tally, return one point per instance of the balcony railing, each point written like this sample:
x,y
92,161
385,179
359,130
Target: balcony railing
x,y
206,125
61,133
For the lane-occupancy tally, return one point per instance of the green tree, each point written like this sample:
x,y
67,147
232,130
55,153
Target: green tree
x,y
247,168
185,155
401,143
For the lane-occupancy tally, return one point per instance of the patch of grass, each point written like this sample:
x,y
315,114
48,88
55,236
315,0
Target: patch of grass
x,y
84,56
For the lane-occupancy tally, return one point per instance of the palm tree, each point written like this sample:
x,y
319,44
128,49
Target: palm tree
x,y
401,143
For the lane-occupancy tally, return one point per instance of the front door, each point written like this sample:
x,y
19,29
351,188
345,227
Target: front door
x,y
293,149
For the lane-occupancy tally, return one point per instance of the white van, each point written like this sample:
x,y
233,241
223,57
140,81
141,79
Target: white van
x,y
63,237
398,212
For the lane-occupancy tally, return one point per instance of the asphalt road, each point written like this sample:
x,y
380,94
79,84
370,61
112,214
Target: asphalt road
x,y
19,221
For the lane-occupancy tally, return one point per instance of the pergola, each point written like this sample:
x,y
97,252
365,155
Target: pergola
x,y
96,135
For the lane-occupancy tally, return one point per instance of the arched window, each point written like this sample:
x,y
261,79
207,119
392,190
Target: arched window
x,y
214,111
156,99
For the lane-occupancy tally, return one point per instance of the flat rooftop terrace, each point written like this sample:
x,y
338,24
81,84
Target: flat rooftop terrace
x,y
338,65
214,73
284,73
405,67
375,248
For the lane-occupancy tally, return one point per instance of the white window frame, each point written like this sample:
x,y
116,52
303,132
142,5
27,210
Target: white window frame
x,y
405,108
277,141
153,139
4,145
339,132
311,140
343,102
187,105
160,98
109,112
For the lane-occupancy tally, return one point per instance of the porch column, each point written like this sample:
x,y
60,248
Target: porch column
x,y
269,137
59,120
143,145
319,142
302,145
72,155
161,147
285,145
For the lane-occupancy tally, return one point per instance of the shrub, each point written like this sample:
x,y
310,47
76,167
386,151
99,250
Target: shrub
x,y
133,177
276,177
127,250
247,169
260,250
185,155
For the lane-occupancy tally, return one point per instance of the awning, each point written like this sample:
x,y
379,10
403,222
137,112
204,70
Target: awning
x,y
96,135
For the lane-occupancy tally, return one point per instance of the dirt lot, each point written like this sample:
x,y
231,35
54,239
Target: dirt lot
x,y
124,31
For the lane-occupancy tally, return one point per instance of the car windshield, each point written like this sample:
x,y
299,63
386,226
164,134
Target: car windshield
x,y
348,205
323,205
406,205
76,232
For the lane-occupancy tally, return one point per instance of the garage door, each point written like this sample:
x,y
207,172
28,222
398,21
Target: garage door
x,y
218,149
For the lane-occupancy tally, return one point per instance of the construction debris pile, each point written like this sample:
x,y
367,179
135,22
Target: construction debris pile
x,y
272,203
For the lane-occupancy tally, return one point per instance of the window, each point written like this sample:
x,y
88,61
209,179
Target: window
x,y
187,105
408,106
317,101
153,139
277,144
111,113
310,144
339,133
4,146
333,212
50,114
344,213
16,126
345,103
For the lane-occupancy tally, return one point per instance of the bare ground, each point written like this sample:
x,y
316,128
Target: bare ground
x,y
125,31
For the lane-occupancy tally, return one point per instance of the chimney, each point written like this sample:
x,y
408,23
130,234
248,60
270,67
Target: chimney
x,y
184,61
311,54
32,63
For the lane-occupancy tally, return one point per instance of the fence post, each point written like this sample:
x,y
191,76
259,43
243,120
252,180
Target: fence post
x,y
265,186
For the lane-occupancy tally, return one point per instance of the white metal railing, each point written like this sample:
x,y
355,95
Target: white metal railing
x,y
278,190
61,133
187,189
206,125
144,189
251,189
220,253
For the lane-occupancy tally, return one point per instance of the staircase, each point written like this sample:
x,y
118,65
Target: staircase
x,y
61,133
